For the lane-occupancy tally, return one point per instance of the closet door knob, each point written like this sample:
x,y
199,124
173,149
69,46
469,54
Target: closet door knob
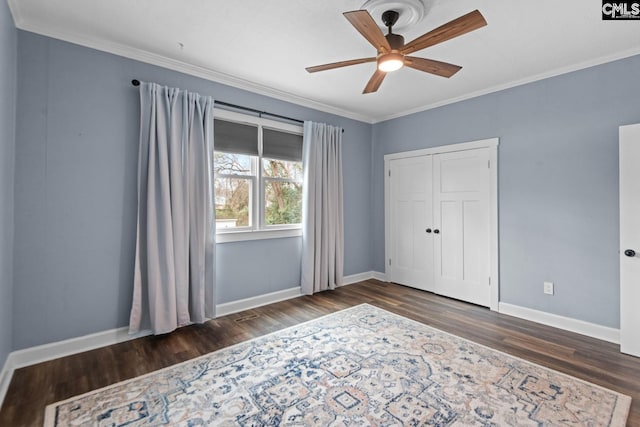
x,y
630,253
428,230
436,231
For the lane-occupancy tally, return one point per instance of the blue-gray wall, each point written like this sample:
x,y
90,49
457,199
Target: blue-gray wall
x,y
558,182
75,192
8,63
75,188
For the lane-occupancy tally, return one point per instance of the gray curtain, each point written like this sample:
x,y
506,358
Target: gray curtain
x,y
322,217
174,266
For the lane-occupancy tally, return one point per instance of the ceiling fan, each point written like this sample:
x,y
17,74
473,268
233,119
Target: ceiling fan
x,y
393,53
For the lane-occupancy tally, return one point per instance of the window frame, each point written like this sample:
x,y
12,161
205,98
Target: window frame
x,y
258,228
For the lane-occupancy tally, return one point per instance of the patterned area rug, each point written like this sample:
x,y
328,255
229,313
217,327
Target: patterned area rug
x,y
361,366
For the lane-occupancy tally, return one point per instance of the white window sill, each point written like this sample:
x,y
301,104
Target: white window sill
x,y
241,236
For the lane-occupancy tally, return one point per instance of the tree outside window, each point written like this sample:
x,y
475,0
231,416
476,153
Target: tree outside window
x,y
282,192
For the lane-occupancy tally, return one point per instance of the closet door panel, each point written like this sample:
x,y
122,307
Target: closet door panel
x,y
474,226
411,254
461,182
450,243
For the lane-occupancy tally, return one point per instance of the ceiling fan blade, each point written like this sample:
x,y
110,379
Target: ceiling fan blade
x,y
339,64
438,68
364,23
375,81
462,25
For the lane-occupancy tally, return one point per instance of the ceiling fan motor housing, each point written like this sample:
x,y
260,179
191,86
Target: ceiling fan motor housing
x,y
396,41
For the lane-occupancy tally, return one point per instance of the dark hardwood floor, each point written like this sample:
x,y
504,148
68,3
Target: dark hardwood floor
x,y
34,387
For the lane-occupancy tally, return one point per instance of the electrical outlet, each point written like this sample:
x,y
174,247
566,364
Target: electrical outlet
x,y
548,288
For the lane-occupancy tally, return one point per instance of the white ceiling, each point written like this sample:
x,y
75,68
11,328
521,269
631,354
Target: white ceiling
x,y
264,46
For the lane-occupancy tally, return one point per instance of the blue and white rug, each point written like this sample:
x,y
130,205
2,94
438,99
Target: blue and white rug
x,y
362,366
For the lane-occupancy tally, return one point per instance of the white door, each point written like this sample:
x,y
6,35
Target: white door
x,y
461,218
411,254
630,239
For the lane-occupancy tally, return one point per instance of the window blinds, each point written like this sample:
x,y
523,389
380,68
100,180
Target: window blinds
x,y
232,137
281,145
241,138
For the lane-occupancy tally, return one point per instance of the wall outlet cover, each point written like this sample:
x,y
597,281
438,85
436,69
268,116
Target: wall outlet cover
x,y
548,288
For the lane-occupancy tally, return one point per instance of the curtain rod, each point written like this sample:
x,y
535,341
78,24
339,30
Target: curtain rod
x,y
136,82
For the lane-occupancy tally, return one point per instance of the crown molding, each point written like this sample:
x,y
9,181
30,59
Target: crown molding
x,y
553,73
229,80
180,66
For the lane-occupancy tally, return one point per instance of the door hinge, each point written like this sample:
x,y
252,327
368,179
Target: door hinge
x,y
389,173
489,164
389,261
489,280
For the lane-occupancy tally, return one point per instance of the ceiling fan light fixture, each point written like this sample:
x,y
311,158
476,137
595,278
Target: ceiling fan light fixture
x,y
393,53
391,61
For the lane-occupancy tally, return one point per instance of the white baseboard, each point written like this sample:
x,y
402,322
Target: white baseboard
x,y
600,332
45,352
379,276
5,379
42,353
253,302
361,277
259,301
355,278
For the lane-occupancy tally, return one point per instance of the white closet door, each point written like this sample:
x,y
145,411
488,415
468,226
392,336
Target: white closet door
x,y
461,217
411,254
630,239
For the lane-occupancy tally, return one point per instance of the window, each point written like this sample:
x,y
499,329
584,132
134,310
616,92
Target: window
x,y
257,177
